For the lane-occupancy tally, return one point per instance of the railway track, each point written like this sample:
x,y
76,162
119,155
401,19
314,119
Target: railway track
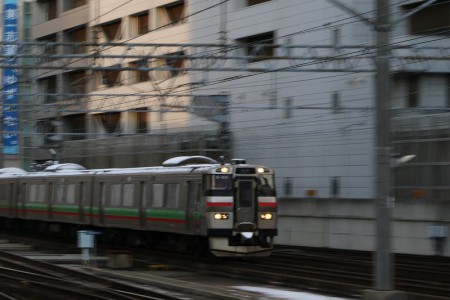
x,y
23,278
422,277
327,271
333,272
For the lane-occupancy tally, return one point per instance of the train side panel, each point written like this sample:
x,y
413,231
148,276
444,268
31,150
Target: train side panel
x,y
116,201
8,193
172,204
36,197
69,194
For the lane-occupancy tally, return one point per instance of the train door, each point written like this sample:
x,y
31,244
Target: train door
x,y
98,202
6,196
245,202
143,198
10,201
193,207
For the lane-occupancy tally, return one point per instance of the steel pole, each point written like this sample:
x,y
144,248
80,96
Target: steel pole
x,y
383,268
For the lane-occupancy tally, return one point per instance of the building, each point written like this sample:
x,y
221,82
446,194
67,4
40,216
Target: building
x,y
288,84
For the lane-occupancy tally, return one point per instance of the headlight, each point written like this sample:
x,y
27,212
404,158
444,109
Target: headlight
x,y
221,216
267,216
260,170
223,169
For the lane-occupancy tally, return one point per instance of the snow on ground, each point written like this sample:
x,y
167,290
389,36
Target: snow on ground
x,y
286,295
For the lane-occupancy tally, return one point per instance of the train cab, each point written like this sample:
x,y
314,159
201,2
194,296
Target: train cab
x,y
241,208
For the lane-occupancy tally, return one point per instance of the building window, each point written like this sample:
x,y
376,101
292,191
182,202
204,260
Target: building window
x,y
175,11
48,129
288,107
141,119
413,91
111,30
49,9
259,47
336,102
287,186
75,82
75,37
433,19
171,14
111,78
71,4
48,47
48,87
138,75
76,125
176,61
254,2
140,24
110,121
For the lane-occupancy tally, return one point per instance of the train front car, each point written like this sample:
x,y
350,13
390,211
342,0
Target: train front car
x,y
241,208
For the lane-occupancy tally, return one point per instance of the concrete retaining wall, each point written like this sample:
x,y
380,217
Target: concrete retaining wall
x,y
350,224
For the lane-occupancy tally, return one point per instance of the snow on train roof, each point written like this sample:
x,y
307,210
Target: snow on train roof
x,y
188,160
64,167
12,171
176,165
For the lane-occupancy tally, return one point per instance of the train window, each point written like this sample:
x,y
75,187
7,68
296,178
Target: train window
x,y
70,193
115,195
193,192
82,195
218,185
59,193
158,195
128,194
36,193
4,193
103,193
172,195
144,194
65,193
31,191
267,187
245,171
245,193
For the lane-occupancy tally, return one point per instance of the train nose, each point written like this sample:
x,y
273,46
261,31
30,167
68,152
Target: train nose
x,y
246,227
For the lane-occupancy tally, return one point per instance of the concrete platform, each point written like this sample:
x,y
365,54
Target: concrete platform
x,y
15,247
63,258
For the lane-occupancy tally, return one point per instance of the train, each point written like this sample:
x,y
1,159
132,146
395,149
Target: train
x,y
189,203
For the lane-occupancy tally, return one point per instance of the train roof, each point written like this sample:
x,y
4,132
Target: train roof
x,y
176,165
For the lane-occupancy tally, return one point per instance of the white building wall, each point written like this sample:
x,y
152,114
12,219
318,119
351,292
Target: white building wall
x,y
312,145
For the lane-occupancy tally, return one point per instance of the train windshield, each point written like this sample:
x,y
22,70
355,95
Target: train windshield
x,y
219,185
267,186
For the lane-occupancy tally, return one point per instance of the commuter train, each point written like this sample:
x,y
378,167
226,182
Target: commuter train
x,y
191,203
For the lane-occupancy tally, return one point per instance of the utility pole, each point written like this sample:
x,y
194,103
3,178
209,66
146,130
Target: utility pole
x,y
384,268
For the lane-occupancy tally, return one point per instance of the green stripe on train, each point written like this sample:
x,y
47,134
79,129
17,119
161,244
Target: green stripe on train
x,y
128,212
66,208
166,214
36,206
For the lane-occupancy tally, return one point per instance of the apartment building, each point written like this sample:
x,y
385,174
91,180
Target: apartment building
x,y
129,83
96,101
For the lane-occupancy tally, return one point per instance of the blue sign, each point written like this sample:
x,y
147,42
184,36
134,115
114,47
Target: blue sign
x,y
10,78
